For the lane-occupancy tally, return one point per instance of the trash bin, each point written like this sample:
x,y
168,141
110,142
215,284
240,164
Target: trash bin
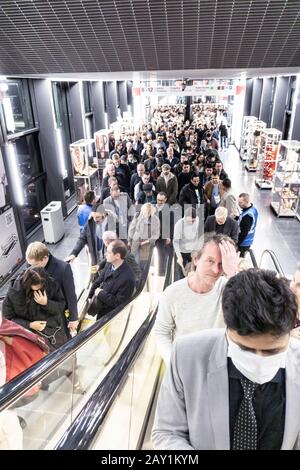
x,y
53,222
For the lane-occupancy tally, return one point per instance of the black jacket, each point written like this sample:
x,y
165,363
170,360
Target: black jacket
x,y
135,178
118,286
188,195
130,260
88,237
183,179
15,308
166,219
230,228
62,273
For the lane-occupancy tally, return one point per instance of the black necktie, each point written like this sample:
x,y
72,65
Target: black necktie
x,y
245,428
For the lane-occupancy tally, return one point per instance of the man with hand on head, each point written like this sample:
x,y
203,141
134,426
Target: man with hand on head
x,y
194,303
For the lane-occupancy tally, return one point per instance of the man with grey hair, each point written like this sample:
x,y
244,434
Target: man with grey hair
x,y
167,183
221,223
194,303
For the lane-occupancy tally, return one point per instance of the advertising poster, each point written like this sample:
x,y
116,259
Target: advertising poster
x,y
102,143
78,160
10,250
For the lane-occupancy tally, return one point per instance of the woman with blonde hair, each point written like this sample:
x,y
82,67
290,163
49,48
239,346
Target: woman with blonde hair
x,y
143,232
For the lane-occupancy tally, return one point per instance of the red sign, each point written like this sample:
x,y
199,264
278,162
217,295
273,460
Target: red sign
x,y
136,92
240,89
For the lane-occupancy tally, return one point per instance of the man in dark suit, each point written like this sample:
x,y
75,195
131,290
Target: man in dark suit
x,y
115,284
221,223
100,220
37,254
164,242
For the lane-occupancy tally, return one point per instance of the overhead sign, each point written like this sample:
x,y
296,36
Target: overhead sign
x,y
190,90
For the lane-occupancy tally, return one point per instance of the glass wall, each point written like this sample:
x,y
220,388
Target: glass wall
x,y
16,106
34,201
61,110
31,177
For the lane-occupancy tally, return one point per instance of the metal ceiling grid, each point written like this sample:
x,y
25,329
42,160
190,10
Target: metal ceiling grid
x,y
90,36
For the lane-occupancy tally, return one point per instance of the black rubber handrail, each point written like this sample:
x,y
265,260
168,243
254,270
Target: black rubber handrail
x,y
274,259
17,387
253,259
83,430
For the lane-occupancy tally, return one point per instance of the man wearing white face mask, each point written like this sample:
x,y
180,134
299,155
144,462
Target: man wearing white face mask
x,y
237,388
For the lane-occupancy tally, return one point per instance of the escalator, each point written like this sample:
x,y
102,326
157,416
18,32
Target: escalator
x,y
91,354
120,414
120,370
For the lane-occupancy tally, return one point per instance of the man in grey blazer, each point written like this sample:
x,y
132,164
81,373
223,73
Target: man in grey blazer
x,y
237,388
228,199
119,204
221,223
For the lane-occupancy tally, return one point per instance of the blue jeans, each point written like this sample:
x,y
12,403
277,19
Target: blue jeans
x,y
224,141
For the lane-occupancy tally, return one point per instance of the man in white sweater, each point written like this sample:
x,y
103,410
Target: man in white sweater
x,y
194,303
187,233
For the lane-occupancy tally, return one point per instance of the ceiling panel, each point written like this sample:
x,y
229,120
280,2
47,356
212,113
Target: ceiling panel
x,y
98,36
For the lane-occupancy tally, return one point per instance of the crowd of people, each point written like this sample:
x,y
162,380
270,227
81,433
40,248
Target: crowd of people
x,y
165,186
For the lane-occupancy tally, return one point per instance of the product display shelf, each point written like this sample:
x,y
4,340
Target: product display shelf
x,y
286,190
247,132
253,149
267,155
85,166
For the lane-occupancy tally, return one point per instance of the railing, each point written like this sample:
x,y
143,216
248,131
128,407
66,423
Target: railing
x,y
253,259
83,432
275,262
16,388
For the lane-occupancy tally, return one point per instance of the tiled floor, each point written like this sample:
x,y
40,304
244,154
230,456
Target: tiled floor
x,y
282,235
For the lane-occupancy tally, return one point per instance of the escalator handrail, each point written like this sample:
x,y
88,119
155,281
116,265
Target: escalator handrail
x,y
274,259
15,388
81,433
253,258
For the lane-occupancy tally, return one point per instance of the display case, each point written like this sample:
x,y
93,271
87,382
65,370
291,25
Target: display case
x,y
254,145
286,189
247,132
267,155
85,166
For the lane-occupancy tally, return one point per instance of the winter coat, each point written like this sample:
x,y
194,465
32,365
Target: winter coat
x,y
117,287
142,229
16,309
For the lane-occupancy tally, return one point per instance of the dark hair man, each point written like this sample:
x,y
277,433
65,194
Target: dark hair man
x,y
115,284
237,388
